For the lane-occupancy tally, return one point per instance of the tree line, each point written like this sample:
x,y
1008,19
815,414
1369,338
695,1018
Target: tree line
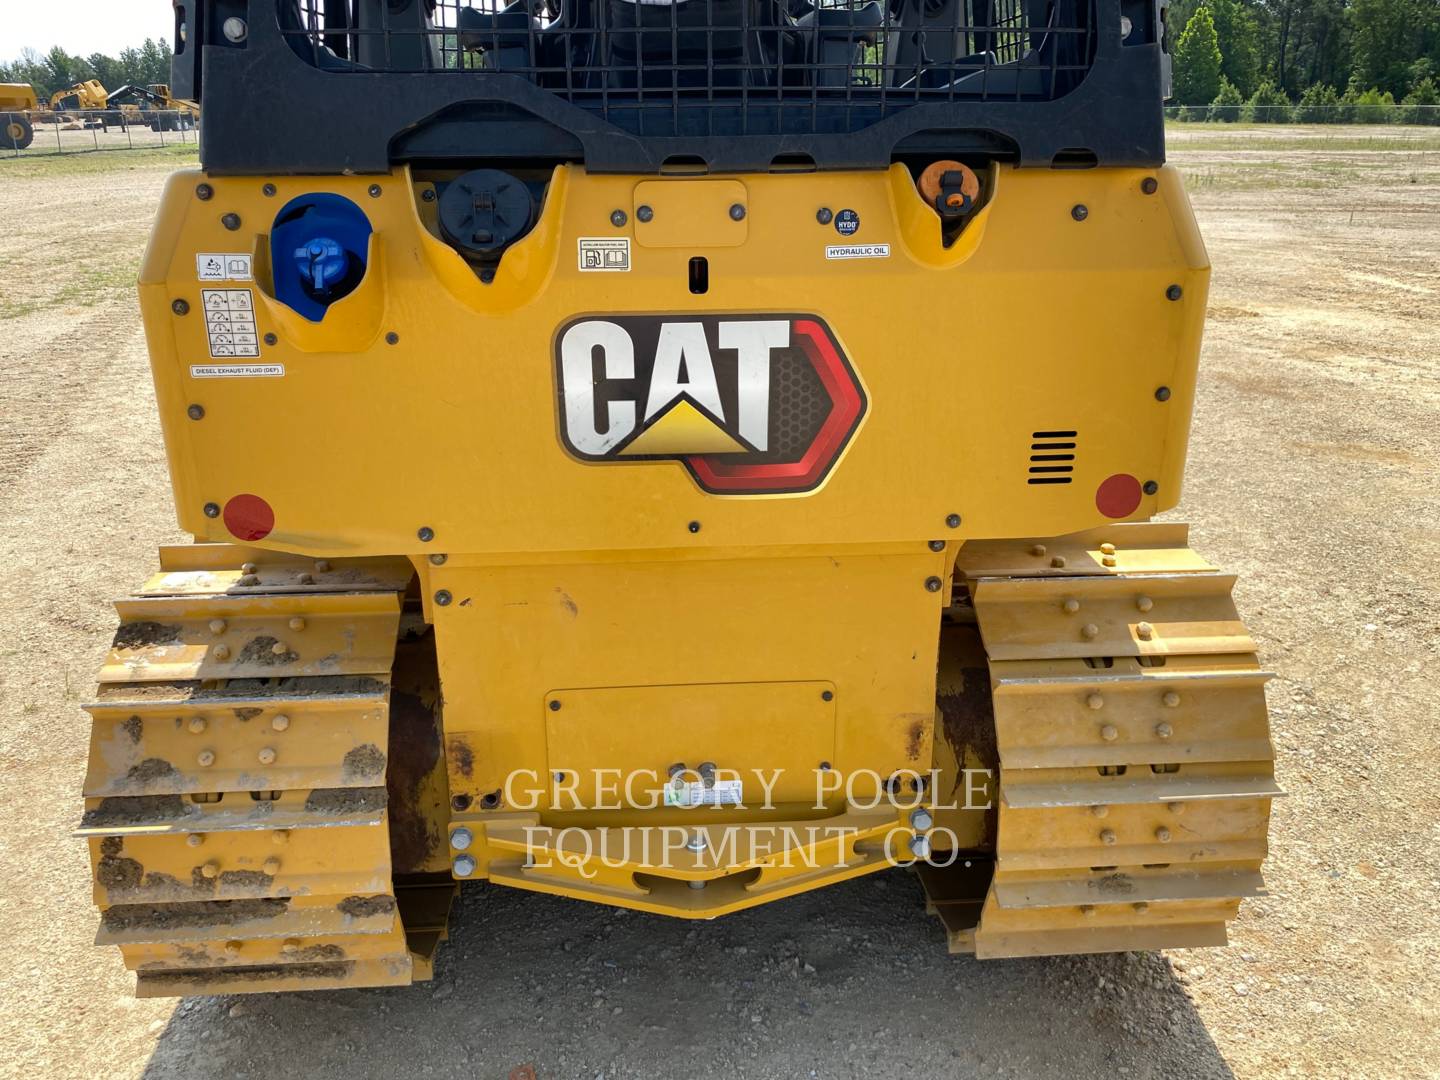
x,y
57,69
1311,61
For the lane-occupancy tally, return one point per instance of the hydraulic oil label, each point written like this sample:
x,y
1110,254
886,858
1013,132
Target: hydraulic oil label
x,y
230,323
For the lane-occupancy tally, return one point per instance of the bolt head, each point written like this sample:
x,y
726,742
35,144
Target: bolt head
x,y
428,195
1095,701
937,545
1163,730
443,598
1144,631
195,839
921,819
1162,393
460,803
618,218
697,843
827,695
952,521
464,865
1090,630
297,624
1079,211
1174,292
280,722
1144,603
1107,836
195,412
644,213
1109,733
737,212
1149,185
554,705
1071,606
1150,487
1162,834
205,758
933,584
824,215
221,652
425,533
290,945
197,724
181,307
694,526
268,190
1171,699
1100,810
266,755
203,192
212,510
210,869
230,221
392,338
271,866
234,29
920,847
374,191
461,838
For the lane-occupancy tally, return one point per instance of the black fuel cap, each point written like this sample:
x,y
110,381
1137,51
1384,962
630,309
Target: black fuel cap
x,y
484,211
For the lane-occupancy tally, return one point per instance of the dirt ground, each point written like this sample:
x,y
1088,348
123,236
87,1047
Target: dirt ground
x,y
1313,473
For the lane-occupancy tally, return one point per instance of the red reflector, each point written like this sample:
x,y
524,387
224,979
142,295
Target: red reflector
x,y
249,517
1116,497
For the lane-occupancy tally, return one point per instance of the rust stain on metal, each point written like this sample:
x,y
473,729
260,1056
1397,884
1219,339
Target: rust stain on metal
x,y
415,754
133,727
458,751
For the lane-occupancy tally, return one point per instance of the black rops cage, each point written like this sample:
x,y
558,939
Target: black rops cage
x,y
634,85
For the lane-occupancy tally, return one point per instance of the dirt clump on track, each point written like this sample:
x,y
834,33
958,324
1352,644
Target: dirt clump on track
x,y
1313,474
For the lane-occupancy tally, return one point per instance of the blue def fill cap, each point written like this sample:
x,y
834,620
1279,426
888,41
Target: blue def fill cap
x,y
318,249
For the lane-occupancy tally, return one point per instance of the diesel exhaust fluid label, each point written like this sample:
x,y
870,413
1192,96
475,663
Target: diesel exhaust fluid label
x,y
757,404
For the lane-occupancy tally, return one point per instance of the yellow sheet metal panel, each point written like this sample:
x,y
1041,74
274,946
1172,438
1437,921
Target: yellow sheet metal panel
x,y
509,635
770,738
472,366
691,214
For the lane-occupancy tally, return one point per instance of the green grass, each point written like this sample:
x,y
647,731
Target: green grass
x,y
30,164
1325,138
84,287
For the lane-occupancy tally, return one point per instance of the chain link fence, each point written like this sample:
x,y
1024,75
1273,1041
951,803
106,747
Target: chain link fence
x,y
81,131
1360,112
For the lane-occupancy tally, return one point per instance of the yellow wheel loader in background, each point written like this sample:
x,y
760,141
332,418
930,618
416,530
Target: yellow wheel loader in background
x,y
671,455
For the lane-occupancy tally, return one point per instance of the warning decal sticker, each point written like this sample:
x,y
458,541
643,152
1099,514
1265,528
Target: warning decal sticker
x,y
723,793
230,322
604,253
219,266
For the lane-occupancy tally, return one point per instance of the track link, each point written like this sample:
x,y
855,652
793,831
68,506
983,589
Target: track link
x,y
235,799
1135,762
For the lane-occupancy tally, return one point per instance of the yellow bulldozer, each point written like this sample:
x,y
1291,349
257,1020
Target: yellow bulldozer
x,y
673,456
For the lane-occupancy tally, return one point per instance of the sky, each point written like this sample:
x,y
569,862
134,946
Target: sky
x,y
81,27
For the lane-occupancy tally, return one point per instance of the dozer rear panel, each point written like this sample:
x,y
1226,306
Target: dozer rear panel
x,y
643,471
